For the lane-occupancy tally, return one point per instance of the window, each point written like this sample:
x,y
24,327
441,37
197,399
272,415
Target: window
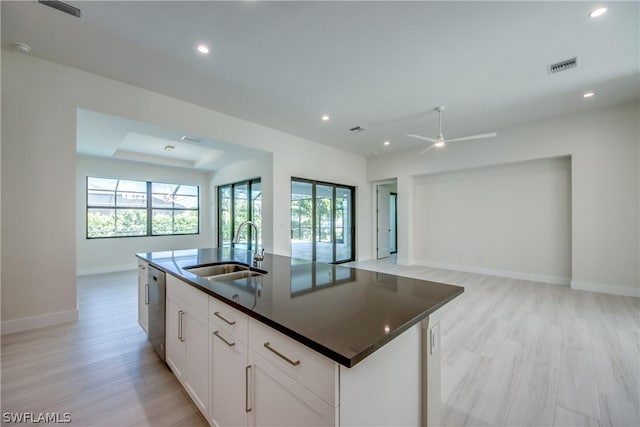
x,y
239,202
125,208
322,221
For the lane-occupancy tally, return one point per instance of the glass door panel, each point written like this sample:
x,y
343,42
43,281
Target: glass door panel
x,y
302,231
241,214
224,211
256,209
324,223
343,224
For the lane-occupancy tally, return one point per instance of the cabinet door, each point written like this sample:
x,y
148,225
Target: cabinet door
x,y
143,302
229,379
276,399
195,336
175,348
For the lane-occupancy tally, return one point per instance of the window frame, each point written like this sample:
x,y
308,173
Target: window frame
x,y
232,186
352,229
148,209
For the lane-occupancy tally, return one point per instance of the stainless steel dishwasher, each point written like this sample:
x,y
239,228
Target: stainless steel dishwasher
x,y
157,298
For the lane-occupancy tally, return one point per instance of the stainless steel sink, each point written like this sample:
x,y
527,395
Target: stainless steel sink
x,y
235,275
217,269
225,272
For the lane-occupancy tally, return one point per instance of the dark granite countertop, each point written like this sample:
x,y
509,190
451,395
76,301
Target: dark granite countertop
x,y
341,312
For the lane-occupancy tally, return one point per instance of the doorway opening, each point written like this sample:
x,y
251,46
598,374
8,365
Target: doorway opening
x,y
386,219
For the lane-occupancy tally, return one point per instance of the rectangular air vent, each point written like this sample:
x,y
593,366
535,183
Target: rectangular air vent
x,y
63,7
567,64
357,129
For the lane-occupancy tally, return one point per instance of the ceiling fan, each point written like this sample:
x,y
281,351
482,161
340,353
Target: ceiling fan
x,y
441,141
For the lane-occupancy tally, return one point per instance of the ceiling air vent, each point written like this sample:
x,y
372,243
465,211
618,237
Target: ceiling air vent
x,y
357,129
63,7
567,64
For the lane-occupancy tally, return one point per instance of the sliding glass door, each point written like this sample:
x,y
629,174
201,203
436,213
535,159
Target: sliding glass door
x,y
239,202
322,221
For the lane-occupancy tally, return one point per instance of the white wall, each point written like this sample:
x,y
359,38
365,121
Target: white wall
x,y
39,102
103,255
510,220
604,146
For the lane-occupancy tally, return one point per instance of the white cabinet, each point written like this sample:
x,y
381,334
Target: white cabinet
x,y
257,385
241,372
229,376
276,399
175,347
143,296
187,344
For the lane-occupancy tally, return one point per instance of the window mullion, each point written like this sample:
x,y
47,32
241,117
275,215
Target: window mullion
x,y
149,210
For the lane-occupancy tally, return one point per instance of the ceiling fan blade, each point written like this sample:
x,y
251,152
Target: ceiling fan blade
x,y
424,138
466,138
427,149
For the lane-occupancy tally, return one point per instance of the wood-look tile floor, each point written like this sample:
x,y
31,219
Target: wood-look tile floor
x,y
515,353
100,369
522,353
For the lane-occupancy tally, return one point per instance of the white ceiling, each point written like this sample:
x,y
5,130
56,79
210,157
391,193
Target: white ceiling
x,y
380,65
105,135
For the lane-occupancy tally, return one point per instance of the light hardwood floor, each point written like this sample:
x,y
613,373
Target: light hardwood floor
x,y
521,353
515,353
101,369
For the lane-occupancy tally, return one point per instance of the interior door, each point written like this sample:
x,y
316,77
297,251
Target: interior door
x,y
384,222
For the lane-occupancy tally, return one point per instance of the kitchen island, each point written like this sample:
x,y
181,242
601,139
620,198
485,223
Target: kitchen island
x,y
305,343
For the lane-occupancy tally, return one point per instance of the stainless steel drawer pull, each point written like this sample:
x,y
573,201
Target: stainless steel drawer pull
x,y
246,389
276,352
180,319
146,294
229,322
230,344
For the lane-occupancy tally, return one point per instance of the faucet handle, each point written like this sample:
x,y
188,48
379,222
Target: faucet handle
x,y
260,256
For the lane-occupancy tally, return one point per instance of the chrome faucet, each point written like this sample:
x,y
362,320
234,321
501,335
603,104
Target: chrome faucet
x,y
257,256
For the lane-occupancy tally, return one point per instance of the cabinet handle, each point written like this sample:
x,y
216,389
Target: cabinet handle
x,y
229,322
246,389
180,318
146,294
276,352
230,344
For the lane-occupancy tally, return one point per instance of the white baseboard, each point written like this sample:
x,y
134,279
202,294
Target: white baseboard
x,y
605,289
552,280
40,321
106,269
404,261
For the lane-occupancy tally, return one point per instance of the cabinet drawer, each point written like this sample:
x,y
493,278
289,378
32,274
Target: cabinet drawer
x,y
188,294
309,368
143,267
229,319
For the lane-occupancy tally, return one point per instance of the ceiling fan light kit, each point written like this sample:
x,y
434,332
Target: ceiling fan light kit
x,y
441,141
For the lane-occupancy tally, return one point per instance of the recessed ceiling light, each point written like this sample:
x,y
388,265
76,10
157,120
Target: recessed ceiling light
x,y
169,147
588,94
598,11
190,139
203,49
325,117
387,143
